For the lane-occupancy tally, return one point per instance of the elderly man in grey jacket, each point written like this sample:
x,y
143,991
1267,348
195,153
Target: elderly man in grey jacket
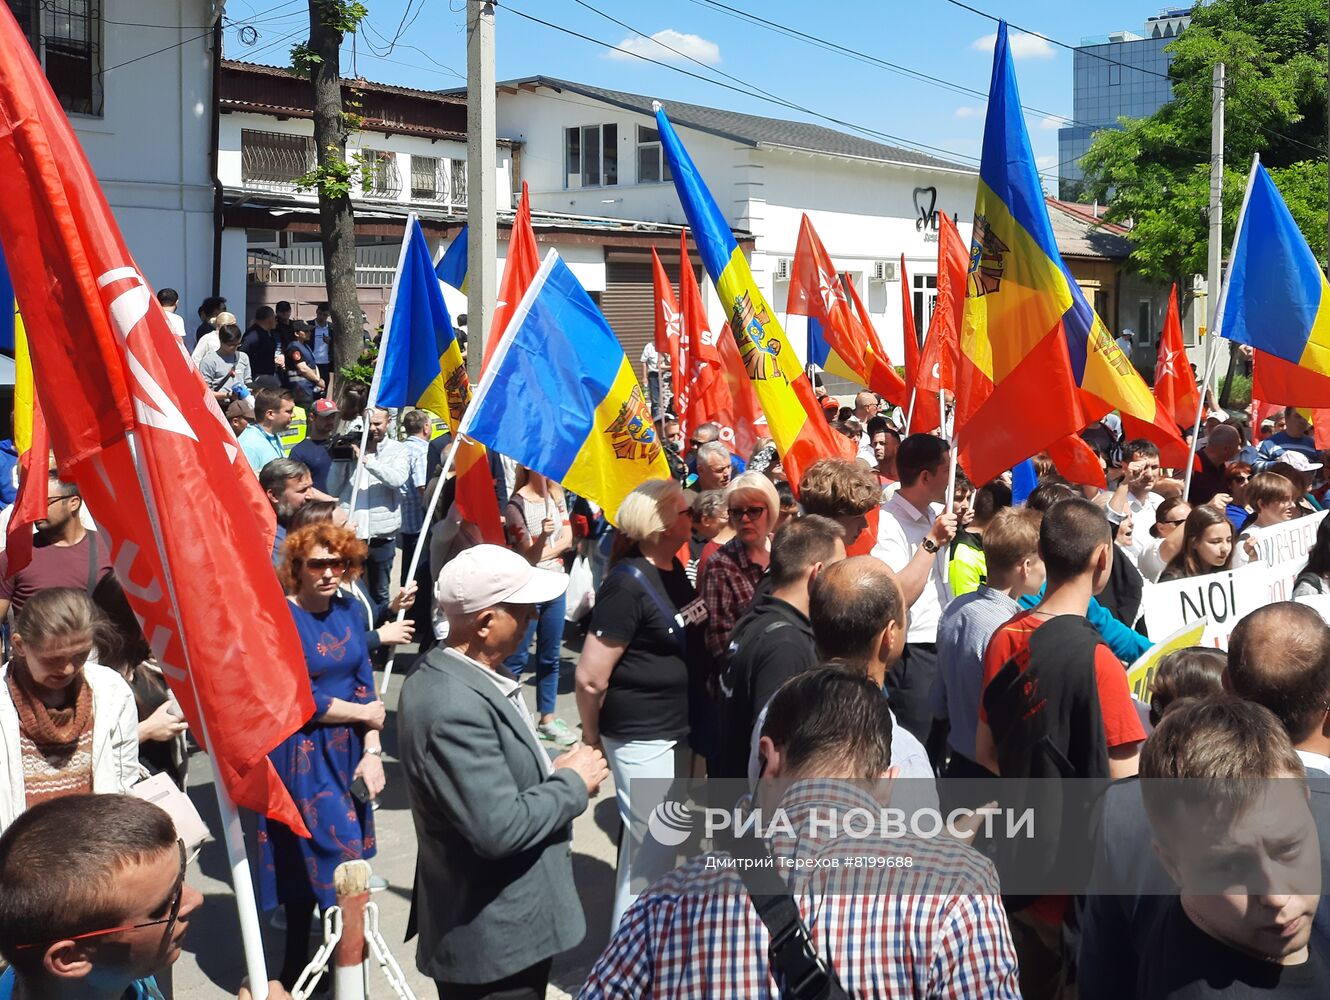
x,y
494,898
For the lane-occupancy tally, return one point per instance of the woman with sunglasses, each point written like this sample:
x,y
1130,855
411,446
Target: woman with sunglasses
x,y
636,668
1236,477
67,725
732,573
333,765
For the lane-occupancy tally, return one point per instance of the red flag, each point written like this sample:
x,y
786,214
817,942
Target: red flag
x,y
909,333
669,338
30,506
926,418
1289,384
714,396
521,266
475,498
1077,461
138,432
880,356
837,341
938,361
1175,387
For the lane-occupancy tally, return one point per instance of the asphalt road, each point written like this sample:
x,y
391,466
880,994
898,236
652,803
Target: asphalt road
x,y
212,964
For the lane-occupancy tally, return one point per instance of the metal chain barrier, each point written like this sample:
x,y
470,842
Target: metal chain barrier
x,y
318,965
332,933
391,970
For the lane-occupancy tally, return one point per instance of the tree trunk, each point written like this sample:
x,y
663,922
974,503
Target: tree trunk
x,y
337,226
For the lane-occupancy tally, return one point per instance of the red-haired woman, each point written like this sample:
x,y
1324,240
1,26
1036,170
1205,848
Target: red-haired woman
x,y
338,745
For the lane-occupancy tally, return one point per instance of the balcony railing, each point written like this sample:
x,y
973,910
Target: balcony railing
x,y
303,265
274,161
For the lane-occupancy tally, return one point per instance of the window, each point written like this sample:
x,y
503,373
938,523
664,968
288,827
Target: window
x,y
424,178
457,182
591,156
274,159
1114,74
383,179
67,37
652,167
1144,325
925,295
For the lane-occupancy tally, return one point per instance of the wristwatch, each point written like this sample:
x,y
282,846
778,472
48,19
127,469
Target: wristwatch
x,y
930,546
374,751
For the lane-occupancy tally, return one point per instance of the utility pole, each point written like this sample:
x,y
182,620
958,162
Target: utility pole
x,y
1214,266
482,239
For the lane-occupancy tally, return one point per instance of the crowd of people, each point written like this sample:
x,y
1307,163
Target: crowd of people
x,y
803,640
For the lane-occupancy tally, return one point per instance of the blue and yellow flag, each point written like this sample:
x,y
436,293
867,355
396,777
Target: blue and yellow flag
x,y
560,397
421,362
1036,362
794,418
451,268
1277,301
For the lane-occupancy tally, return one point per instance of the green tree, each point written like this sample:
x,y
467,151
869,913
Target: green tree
x,y
1155,172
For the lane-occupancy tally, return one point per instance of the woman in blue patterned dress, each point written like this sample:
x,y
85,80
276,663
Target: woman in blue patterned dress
x,y
340,743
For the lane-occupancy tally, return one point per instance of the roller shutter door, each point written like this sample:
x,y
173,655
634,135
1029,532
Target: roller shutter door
x,y
628,303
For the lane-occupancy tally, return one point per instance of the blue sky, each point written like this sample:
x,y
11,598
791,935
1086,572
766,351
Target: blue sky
x,y
934,37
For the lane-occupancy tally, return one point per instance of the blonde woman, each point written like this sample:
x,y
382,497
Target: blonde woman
x,y
67,725
210,341
633,674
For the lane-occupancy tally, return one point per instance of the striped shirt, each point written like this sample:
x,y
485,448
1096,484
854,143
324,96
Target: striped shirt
x,y
962,638
936,929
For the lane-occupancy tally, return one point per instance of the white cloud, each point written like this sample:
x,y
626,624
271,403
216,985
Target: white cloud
x,y
659,46
1046,162
1023,46
1052,122
966,111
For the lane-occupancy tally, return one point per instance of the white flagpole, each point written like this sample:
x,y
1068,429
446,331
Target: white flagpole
x,y
909,416
481,391
251,936
1216,322
372,399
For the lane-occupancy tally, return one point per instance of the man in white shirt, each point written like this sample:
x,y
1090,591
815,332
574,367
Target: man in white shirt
x,y
1279,657
912,531
866,406
652,363
1140,466
169,299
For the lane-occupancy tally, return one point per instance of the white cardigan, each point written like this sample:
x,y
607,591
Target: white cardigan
x,y
115,740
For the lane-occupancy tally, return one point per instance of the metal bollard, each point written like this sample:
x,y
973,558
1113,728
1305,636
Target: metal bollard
x,y
350,971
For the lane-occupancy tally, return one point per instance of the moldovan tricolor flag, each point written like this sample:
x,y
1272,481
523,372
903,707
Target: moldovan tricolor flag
x,y
583,420
422,366
451,268
1036,363
794,418
137,430
837,341
669,340
1277,301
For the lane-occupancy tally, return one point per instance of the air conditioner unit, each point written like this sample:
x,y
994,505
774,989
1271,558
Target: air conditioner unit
x,y
884,270
783,268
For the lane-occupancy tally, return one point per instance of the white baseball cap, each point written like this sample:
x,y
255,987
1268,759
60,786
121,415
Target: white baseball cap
x,y
485,575
1298,460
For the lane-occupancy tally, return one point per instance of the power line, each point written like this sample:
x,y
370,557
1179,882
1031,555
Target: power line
x,y
1086,50
865,57
183,42
907,143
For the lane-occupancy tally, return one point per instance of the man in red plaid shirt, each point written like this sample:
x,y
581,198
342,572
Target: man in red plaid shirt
x,y
929,924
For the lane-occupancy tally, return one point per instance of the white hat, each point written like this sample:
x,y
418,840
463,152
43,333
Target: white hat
x,y
485,575
1298,460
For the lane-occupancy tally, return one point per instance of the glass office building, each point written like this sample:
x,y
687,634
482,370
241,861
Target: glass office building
x,y
1121,75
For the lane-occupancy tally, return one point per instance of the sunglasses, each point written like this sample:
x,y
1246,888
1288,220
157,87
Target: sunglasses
x,y
746,513
173,913
319,565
